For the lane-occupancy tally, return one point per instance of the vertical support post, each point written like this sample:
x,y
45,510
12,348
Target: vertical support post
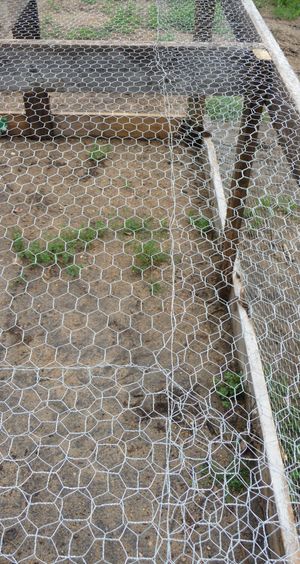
x,y
204,19
286,122
27,24
246,147
196,109
241,24
38,114
36,102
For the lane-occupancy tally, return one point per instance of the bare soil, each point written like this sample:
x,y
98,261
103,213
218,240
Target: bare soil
x,y
107,380
287,34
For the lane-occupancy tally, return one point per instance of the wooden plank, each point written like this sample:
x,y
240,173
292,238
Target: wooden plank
x,y
246,147
106,125
133,69
217,185
283,540
286,122
228,43
286,73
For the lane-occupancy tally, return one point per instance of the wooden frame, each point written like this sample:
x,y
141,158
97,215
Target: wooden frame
x,y
185,73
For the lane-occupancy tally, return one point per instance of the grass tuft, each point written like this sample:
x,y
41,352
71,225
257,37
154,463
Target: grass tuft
x,y
229,387
99,153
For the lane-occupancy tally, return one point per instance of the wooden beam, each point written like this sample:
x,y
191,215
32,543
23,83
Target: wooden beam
x,y
107,125
219,218
246,147
134,69
286,122
283,540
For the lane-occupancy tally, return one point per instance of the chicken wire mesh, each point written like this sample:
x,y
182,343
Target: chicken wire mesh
x,y
130,430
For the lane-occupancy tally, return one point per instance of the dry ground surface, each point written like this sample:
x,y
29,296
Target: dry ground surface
x,y
113,437
287,34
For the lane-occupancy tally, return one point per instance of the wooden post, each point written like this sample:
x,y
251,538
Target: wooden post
x,y
37,102
286,122
246,147
241,25
27,24
38,115
204,19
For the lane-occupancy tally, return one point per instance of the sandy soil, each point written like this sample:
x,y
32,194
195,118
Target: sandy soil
x,y
108,379
287,34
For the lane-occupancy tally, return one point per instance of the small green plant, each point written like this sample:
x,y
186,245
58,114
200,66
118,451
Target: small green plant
x,y
3,125
229,387
201,223
18,241
99,153
128,184
155,288
152,16
91,2
285,204
54,6
87,234
283,9
181,16
50,29
237,482
86,33
74,270
133,224
224,108
149,256
60,250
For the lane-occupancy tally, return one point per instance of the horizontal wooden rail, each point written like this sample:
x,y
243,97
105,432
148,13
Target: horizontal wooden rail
x,y
107,125
181,70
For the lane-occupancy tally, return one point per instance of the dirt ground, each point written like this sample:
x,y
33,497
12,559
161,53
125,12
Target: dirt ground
x,y
115,445
287,34
110,411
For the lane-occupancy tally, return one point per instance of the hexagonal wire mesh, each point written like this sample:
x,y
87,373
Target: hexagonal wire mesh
x,y
130,428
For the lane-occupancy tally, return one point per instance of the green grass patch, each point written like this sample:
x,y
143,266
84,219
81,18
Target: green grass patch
x,y
229,387
155,288
54,6
267,207
149,256
181,15
200,222
224,108
99,153
153,17
3,125
133,224
61,250
86,33
283,9
50,29
74,270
